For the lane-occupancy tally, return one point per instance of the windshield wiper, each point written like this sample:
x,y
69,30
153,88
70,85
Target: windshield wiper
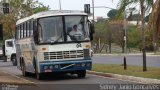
x,y
53,42
73,38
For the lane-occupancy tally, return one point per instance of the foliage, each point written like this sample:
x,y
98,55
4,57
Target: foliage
x,y
19,9
113,32
147,18
154,21
117,29
134,37
112,13
101,32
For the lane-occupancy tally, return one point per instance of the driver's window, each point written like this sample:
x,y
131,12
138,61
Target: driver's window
x,y
75,27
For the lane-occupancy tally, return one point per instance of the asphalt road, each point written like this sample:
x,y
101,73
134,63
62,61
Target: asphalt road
x,y
66,82
152,61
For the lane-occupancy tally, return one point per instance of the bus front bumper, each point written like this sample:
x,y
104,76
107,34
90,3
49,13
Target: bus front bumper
x,y
65,66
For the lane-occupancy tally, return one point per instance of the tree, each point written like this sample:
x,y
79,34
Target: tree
x,y
100,33
154,23
147,18
134,37
112,13
145,5
19,9
117,32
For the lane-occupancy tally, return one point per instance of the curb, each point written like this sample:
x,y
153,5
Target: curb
x,y
124,55
127,78
22,81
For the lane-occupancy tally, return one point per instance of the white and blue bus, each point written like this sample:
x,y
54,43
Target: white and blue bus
x,y
44,43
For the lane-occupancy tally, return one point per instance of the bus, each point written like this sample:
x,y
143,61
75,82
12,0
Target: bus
x,y
44,43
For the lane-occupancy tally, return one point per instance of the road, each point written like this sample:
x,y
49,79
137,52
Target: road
x,y
91,82
152,61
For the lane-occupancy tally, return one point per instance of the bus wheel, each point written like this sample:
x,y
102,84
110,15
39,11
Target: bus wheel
x,y
14,60
23,67
81,74
39,76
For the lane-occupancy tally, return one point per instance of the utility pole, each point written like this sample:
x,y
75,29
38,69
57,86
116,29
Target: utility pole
x,y
93,13
125,39
125,33
60,5
143,40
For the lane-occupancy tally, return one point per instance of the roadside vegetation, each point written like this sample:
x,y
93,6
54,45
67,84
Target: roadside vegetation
x,y
18,9
111,31
137,71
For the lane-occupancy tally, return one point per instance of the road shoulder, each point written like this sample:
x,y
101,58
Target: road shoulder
x,y
7,78
126,78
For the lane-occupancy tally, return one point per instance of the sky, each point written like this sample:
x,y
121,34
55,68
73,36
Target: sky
x,y
79,5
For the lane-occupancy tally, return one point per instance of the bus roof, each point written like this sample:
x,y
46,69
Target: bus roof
x,y
51,13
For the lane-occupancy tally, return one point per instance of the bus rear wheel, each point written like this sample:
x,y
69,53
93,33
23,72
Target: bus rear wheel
x,y
39,76
23,68
82,74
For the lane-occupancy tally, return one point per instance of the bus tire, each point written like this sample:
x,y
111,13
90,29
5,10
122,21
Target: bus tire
x,y
14,60
23,67
39,76
81,74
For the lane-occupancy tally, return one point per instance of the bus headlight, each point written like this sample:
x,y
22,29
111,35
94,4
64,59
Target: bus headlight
x,y
56,66
45,67
83,64
51,67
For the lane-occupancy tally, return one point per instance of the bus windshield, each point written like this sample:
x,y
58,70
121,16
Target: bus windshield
x,y
51,29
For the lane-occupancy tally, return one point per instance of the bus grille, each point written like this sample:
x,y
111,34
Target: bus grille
x,y
64,55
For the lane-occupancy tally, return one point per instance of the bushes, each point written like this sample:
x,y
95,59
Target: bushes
x,y
112,32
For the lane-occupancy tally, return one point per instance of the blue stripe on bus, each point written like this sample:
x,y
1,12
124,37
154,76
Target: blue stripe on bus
x,y
66,65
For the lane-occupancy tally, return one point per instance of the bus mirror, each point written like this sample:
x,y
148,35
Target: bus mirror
x,y
91,30
91,36
1,31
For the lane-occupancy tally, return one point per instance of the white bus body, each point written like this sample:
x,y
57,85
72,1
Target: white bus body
x,y
43,44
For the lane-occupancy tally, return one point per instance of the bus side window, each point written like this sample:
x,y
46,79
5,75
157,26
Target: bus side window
x,y
35,31
27,29
31,28
24,30
16,33
21,30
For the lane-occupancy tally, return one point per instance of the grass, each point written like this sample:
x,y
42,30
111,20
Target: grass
x,y
157,53
131,70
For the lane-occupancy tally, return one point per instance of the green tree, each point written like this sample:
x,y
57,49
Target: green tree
x,y
147,18
112,13
154,23
134,37
19,9
145,6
